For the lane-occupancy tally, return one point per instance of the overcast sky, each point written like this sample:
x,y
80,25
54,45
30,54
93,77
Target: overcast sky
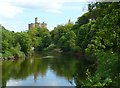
x,y
15,15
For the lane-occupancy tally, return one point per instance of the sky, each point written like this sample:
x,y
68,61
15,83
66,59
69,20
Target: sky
x,y
15,15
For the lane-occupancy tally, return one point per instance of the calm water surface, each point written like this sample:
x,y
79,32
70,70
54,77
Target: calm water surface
x,y
45,69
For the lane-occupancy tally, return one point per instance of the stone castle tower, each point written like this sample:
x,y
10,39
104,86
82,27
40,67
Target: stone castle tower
x,y
37,25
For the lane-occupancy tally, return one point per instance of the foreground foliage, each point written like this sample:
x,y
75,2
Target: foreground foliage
x,y
97,33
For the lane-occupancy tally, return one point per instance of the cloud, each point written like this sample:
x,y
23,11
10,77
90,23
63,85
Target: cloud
x,y
46,5
11,8
8,10
12,82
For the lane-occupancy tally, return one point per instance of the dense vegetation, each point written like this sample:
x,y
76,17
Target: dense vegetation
x,y
95,33
16,45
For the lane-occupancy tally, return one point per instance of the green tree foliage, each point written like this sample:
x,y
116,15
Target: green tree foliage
x,y
24,41
41,38
100,37
20,43
10,49
58,32
107,32
36,39
68,41
96,31
107,73
64,38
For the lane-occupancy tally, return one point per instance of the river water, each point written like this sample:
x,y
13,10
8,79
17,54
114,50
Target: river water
x,y
45,69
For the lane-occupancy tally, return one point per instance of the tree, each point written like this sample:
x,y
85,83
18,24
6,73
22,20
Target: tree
x,y
24,41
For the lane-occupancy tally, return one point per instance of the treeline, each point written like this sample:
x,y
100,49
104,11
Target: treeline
x,y
19,44
95,31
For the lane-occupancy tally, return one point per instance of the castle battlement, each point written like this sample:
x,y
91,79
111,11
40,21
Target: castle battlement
x,y
37,25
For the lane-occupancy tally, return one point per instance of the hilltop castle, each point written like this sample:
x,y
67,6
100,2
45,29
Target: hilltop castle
x,y
37,25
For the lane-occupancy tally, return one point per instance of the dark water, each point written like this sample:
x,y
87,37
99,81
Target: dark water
x,y
45,69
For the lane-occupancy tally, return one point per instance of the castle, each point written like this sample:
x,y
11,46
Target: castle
x,y
37,25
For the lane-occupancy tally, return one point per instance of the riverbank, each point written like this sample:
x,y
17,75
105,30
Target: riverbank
x,y
12,58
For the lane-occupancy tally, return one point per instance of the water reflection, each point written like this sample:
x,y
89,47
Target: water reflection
x,y
44,69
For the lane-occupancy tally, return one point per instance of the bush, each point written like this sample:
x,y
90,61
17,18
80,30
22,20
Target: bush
x,y
107,73
7,54
50,47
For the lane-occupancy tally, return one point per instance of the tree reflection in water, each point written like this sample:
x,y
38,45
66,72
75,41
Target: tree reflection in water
x,y
66,66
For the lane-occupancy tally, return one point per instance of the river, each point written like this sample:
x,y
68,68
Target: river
x,y
45,69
